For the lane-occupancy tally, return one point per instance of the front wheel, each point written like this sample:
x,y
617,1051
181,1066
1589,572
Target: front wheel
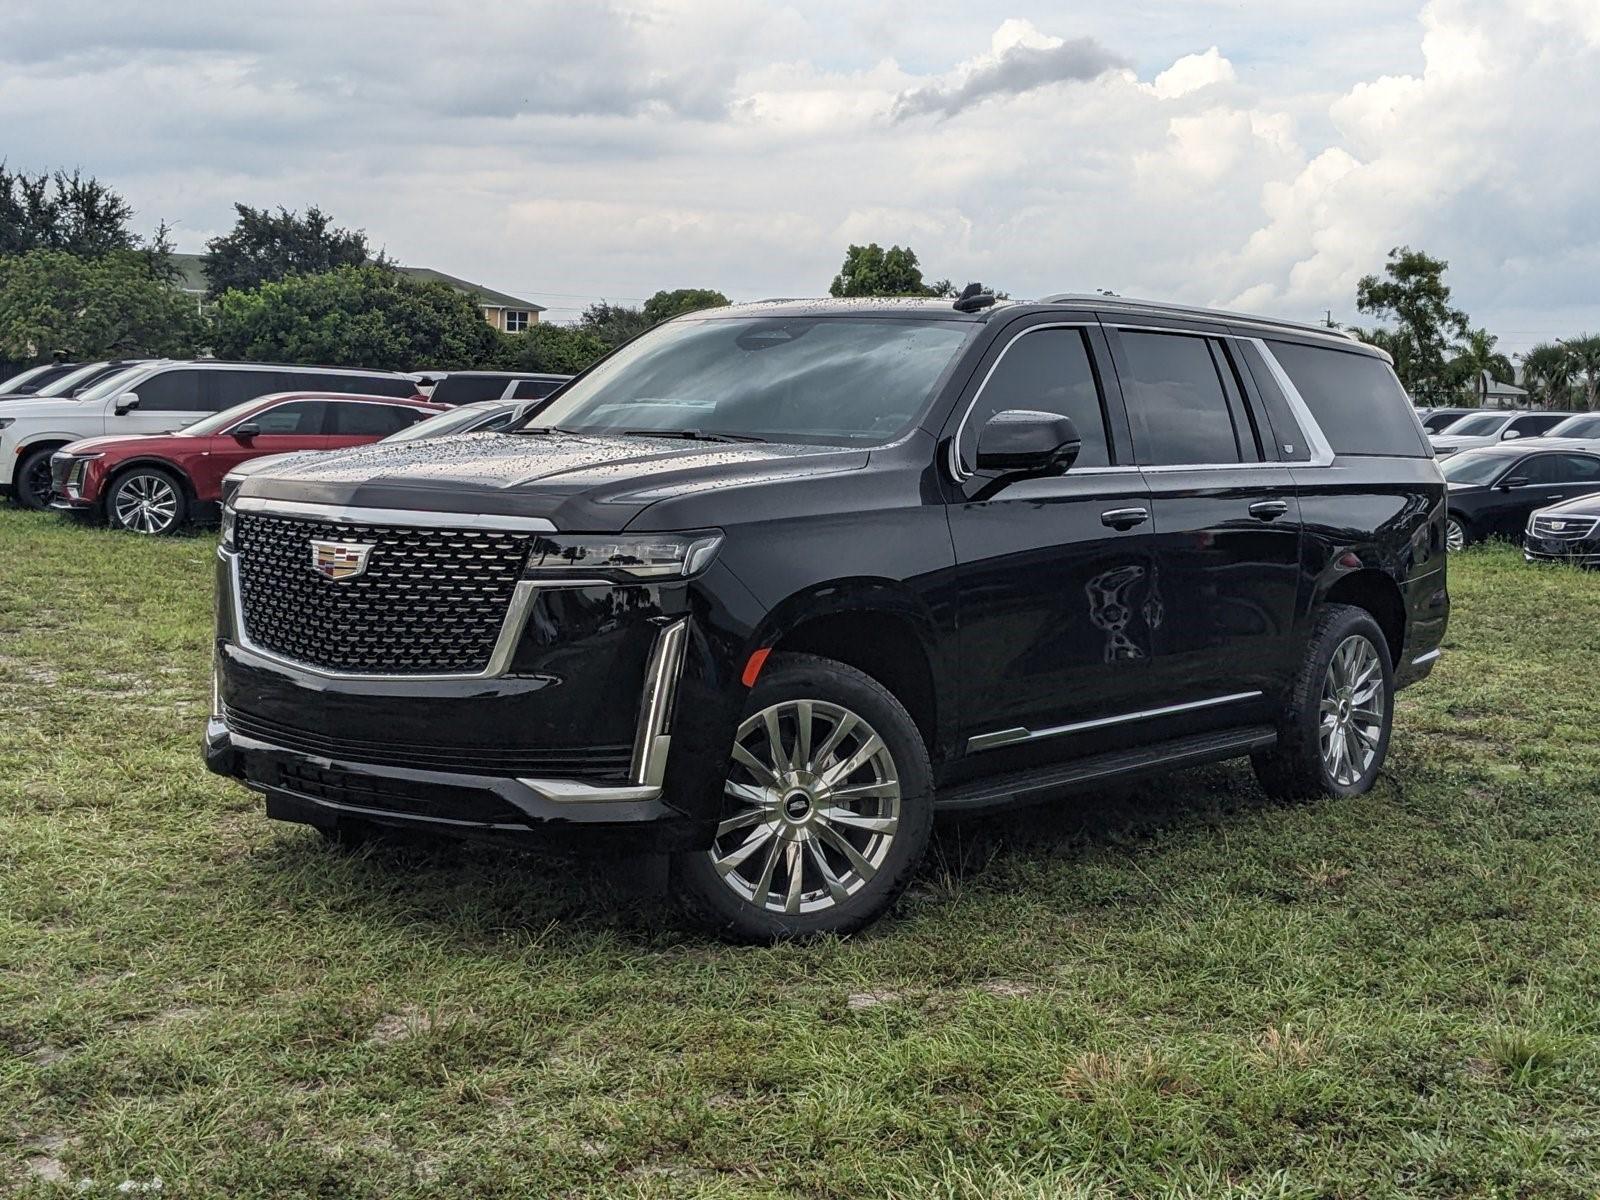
x,y
147,500
1457,534
1335,733
33,480
827,808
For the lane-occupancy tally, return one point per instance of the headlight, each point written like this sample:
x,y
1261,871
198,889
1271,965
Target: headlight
x,y
227,525
621,556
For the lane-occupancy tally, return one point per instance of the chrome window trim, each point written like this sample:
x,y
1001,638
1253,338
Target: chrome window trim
x,y
1019,734
957,472
340,514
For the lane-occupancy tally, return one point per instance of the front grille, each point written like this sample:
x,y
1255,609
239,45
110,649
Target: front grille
x,y
431,601
590,763
468,805
1563,528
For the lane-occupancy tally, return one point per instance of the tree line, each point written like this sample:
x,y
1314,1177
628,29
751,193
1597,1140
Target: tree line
x,y
1442,360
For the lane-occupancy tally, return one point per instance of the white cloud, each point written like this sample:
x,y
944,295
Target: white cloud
x,y
614,148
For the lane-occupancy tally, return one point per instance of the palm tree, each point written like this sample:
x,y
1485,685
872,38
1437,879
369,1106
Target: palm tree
x,y
1547,369
1585,352
1476,358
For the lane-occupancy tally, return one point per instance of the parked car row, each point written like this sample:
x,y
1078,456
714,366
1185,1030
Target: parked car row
x,y
145,443
1509,490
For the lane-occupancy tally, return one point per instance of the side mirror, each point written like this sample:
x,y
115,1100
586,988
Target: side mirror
x,y
1022,442
245,430
126,403
1509,434
1515,481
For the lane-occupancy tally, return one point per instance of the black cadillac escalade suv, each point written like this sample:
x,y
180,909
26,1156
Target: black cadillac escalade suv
x,y
771,585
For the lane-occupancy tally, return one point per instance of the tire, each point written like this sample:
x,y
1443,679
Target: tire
x,y
1331,706
147,500
1458,534
33,479
855,855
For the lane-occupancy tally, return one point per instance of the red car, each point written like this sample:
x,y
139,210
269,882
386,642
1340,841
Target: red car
x,y
154,483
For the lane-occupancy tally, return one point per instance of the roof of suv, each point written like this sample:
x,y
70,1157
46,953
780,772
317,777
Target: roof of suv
x,y
941,308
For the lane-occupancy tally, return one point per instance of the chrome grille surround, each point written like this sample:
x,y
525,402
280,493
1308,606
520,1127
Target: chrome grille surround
x,y
1571,529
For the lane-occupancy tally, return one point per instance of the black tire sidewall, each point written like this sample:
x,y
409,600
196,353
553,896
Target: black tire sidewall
x,y
806,677
24,468
180,512
1348,622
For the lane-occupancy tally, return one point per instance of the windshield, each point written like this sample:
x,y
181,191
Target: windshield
x,y
17,381
818,380
1473,468
456,420
219,421
1481,425
114,385
63,387
1582,426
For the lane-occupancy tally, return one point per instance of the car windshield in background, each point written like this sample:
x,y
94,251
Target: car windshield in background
x,y
818,380
1480,426
1473,468
219,421
454,421
1577,427
112,385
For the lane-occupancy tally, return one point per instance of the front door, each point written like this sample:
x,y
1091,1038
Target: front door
x,y
1053,573
281,428
168,401
1226,527
1536,482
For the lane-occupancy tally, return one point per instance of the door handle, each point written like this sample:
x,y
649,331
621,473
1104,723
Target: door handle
x,y
1266,510
1124,518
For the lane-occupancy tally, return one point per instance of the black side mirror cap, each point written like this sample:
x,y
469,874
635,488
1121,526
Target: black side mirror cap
x,y
1020,441
1515,482
246,429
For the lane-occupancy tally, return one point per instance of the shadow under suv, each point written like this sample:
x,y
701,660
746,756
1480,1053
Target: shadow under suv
x,y
770,585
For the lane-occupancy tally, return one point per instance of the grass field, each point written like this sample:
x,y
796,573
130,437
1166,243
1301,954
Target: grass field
x,y
1184,990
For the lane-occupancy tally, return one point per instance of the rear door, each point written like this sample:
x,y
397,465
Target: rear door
x,y
1053,573
1226,530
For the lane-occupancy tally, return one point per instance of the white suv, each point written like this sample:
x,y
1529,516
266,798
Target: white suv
x,y
154,397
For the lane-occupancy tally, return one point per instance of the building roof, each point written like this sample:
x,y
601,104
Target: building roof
x,y
191,278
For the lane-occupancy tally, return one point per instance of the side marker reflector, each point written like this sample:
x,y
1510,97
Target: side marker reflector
x,y
752,669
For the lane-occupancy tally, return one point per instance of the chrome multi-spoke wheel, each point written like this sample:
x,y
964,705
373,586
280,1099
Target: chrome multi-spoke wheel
x,y
1352,710
146,504
1455,535
812,808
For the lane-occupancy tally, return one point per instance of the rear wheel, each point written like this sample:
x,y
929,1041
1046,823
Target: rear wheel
x,y
1457,533
147,500
827,808
1334,736
33,479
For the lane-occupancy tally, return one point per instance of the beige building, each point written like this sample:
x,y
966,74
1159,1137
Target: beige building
x,y
503,311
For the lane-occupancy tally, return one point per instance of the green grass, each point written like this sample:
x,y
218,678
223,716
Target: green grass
x,y
1180,990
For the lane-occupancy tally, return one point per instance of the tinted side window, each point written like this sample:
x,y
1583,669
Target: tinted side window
x,y
1537,423
228,388
373,420
468,389
1293,446
174,391
1045,371
1176,402
301,417
533,389
353,385
1355,398
1559,468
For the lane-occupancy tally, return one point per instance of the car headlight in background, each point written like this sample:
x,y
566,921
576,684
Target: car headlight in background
x,y
621,556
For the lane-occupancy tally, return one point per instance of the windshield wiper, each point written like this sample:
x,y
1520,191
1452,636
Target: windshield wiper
x,y
691,435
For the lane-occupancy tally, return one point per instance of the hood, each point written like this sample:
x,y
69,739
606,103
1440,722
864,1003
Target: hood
x,y
135,442
588,481
1445,441
22,407
1581,506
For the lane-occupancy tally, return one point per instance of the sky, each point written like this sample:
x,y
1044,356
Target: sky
x,y
1255,154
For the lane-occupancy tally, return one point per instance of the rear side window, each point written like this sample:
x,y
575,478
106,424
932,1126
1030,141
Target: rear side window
x,y
373,420
1047,370
533,389
1439,422
468,389
227,388
1355,398
175,391
1559,468
1177,404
